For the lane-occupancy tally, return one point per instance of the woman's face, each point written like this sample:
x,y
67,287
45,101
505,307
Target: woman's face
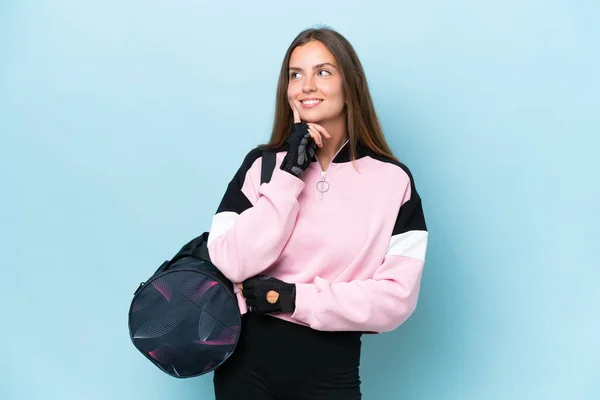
x,y
315,83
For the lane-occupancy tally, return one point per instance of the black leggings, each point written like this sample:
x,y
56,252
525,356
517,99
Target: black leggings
x,y
279,360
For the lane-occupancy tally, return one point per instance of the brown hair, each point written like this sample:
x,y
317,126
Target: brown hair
x,y
361,120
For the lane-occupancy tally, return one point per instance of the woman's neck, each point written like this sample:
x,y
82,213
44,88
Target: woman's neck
x,y
337,130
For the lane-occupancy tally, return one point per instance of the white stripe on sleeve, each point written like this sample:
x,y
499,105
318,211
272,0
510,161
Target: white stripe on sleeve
x,y
409,244
221,223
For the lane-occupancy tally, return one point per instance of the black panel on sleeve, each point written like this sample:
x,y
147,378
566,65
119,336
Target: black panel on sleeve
x,y
234,199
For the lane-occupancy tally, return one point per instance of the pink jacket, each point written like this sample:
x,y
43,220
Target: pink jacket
x,y
355,252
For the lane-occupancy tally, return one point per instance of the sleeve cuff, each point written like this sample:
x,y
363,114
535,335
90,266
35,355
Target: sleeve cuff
x,y
306,303
286,182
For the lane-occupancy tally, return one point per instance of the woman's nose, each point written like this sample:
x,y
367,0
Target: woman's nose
x,y
309,85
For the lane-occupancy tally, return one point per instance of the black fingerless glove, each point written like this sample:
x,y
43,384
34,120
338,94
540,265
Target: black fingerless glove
x,y
301,150
255,291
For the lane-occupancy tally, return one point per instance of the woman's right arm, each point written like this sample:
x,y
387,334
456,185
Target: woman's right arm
x,y
253,222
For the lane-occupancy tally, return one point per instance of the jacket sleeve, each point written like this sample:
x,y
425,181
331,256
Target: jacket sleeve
x,y
253,222
385,301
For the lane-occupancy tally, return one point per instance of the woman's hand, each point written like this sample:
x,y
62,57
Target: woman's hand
x,y
302,144
264,295
317,132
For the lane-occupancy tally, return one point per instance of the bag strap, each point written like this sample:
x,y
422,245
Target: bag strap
x,y
269,159
198,247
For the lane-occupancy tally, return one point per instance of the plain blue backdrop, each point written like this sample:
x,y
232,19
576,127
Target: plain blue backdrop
x,y
122,122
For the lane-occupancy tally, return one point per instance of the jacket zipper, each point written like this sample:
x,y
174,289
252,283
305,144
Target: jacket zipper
x,y
323,185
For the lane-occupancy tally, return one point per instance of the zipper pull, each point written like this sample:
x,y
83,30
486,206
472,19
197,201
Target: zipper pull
x,y
139,288
322,185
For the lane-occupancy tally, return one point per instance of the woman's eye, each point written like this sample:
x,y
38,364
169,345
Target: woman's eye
x,y
293,74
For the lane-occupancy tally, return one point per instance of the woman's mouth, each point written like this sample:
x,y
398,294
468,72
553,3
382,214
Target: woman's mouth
x,y
310,103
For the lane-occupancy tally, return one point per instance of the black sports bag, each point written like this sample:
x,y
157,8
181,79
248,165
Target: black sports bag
x,y
185,318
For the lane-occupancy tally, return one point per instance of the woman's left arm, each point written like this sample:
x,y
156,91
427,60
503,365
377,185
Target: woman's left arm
x,y
379,304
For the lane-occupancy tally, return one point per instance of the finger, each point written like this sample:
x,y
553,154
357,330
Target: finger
x,y
248,293
321,130
316,136
295,112
311,151
240,286
319,136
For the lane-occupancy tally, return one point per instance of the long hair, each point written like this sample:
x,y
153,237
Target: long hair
x,y
362,123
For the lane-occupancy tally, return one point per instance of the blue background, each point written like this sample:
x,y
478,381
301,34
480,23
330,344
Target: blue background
x,y
122,122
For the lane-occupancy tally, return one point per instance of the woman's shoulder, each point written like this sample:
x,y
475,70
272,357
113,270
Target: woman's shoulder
x,y
253,156
394,164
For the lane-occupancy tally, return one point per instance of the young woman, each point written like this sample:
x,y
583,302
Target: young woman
x,y
332,247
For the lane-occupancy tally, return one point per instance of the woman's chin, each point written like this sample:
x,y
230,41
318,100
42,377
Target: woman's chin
x,y
320,118
311,118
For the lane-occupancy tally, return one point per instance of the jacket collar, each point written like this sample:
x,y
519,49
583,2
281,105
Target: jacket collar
x,y
344,154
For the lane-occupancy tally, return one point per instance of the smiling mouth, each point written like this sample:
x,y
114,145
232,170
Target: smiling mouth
x,y
311,102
